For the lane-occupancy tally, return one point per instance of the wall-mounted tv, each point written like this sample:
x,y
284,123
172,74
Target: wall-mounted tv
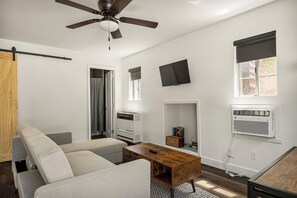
x,y
175,73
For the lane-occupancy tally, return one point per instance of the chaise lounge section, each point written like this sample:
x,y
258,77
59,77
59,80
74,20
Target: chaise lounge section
x,y
73,170
108,148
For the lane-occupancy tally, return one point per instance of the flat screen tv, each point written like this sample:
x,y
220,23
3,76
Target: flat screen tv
x,y
175,73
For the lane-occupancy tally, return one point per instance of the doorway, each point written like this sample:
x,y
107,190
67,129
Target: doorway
x,y
101,102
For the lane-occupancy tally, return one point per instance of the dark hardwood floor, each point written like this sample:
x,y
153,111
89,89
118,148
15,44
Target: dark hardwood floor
x,y
7,189
218,183
212,179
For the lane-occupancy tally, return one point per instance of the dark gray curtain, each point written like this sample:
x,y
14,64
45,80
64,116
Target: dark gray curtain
x,y
97,105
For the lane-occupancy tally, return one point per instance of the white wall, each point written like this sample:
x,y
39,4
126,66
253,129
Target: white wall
x,y
52,93
210,55
188,120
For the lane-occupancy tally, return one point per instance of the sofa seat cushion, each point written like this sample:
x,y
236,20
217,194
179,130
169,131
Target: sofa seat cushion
x,y
83,162
102,147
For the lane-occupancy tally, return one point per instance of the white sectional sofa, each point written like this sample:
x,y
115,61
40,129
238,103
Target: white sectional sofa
x,y
73,170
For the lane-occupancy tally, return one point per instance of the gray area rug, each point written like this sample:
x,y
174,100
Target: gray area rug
x,y
159,189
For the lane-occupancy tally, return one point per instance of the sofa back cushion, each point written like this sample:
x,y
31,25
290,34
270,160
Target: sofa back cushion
x,y
29,133
49,158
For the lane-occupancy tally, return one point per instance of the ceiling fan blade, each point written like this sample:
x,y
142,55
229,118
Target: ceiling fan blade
x,y
83,23
119,5
78,6
140,22
116,34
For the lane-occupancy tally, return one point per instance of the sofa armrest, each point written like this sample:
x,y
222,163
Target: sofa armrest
x,y
60,137
129,180
28,182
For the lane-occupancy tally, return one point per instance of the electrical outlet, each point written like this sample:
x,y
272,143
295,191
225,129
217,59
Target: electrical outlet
x,y
253,155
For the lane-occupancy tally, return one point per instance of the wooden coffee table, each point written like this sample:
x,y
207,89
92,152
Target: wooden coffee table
x,y
167,165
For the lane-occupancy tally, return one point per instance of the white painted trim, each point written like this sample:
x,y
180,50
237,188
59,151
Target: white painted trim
x,y
199,126
259,138
235,75
92,66
231,167
181,101
198,120
104,67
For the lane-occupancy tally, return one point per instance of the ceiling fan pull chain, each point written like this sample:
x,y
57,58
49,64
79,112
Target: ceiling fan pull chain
x,y
109,41
109,36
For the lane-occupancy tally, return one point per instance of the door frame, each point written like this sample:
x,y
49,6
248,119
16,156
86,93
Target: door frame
x,y
111,68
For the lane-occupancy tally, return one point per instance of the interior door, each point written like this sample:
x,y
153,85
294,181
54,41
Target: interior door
x,y
8,104
109,103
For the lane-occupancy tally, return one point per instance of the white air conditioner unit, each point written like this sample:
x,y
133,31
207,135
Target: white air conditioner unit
x,y
256,120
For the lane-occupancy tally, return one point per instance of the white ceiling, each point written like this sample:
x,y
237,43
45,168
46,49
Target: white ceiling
x,y
43,22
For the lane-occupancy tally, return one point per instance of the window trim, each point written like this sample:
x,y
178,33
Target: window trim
x,y
238,82
134,75
254,48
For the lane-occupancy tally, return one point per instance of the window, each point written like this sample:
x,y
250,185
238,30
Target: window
x,y
256,66
135,83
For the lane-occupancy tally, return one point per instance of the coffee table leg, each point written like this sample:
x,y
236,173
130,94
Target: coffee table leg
x,y
193,185
172,192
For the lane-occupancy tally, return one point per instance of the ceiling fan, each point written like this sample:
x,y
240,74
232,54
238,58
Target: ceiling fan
x,y
109,9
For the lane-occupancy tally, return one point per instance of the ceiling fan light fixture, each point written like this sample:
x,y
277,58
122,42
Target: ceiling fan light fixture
x,y
109,25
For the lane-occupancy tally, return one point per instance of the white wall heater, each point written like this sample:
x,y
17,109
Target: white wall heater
x,y
255,120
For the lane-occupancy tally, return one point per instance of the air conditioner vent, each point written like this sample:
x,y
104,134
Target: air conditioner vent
x,y
251,120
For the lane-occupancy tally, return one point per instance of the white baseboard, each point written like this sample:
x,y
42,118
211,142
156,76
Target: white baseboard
x,y
231,167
